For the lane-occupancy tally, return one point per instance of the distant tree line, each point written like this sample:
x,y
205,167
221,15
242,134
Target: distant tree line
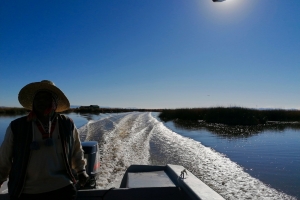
x,y
85,109
231,115
13,111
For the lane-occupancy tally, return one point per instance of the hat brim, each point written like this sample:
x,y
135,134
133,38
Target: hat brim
x,y
27,93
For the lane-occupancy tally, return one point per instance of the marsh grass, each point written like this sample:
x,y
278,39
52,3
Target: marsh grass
x,y
109,110
236,130
21,111
13,111
222,115
231,115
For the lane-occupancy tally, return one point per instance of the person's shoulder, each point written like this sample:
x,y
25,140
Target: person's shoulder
x,y
65,117
18,123
20,119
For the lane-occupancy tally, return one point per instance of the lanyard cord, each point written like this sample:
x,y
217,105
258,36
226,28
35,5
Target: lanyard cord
x,y
48,130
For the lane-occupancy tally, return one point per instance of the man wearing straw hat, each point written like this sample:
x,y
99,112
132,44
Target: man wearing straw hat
x,y
41,151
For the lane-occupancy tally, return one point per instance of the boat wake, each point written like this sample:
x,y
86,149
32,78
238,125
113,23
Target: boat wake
x,y
139,138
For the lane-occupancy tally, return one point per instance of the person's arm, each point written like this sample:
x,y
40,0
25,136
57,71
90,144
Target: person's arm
x,y
78,161
6,155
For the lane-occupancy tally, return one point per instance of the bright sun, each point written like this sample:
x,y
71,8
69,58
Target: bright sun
x,y
230,9
229,3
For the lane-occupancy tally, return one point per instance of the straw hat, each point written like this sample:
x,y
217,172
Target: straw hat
x,y
27,93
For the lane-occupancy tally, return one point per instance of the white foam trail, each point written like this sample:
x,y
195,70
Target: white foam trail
x,y
138,138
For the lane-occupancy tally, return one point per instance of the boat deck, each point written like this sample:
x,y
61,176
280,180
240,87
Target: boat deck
x,y
152,182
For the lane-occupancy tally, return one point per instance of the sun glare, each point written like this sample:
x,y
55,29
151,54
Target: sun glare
x,y
230,10
229,4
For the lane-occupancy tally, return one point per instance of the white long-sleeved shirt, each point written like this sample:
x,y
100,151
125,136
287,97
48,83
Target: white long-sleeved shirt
x,y
46,169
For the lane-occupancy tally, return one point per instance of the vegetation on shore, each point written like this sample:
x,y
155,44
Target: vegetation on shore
x,y
109,110
236,130
221,115
13,111
231,115
21,111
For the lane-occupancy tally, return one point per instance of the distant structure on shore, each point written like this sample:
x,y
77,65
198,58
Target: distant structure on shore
x,y
89,107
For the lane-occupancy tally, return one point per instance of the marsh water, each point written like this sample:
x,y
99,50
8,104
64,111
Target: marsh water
x,y
271,156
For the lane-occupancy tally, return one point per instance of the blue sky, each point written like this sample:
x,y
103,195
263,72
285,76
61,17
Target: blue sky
x,y
154,53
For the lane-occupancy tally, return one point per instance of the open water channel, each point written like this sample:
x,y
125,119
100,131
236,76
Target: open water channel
x,y
265,165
